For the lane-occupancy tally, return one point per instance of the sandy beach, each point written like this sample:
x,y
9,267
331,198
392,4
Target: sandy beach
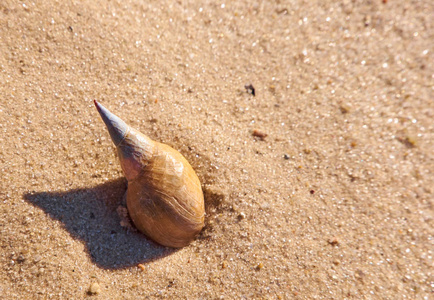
x,y
309,124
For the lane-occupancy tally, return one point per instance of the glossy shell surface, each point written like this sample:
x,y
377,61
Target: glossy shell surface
x,y
164,195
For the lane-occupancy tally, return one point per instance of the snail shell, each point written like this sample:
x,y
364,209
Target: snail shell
x,y
164,195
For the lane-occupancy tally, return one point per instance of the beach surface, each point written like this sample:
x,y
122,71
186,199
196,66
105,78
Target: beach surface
x,y
309,123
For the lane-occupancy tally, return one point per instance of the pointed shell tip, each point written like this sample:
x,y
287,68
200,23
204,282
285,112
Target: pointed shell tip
x,y
96,104
116,127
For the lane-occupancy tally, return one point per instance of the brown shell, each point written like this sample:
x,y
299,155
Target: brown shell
x,y
164,195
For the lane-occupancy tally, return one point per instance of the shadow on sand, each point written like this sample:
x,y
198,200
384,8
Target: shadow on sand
x,y
90,216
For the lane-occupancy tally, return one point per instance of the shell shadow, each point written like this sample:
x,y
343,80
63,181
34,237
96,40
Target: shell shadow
x,y
90,216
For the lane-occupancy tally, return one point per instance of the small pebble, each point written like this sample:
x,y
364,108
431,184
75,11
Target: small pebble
x,y
21,259
259,134
286,156
333,241
94,289
344,108
359,274
409,141
250,89
259,266
224,264
141,267
241,216
171,282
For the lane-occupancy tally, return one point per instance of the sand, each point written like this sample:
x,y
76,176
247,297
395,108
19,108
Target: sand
x,y
319,186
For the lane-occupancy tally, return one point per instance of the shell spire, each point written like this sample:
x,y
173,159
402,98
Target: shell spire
x,y
134,148
116,127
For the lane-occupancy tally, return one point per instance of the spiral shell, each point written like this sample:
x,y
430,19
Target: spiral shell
x,y
164,195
